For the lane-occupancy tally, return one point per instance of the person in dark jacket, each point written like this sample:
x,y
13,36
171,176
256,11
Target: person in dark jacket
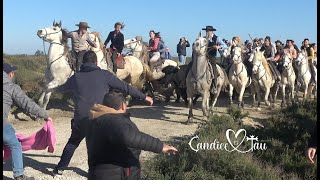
x,y
114,142
13,93
312,146
89,86
182,49
117,43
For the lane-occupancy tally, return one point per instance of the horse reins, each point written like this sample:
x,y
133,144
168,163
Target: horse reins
x,y
44,40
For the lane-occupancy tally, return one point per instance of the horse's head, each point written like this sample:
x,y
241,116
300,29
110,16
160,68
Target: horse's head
x,y
302,56
236,55
53,34
287,60
200,45
257,57
131,43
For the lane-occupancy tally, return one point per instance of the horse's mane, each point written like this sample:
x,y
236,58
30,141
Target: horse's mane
x,y
64,41
97,34
264,62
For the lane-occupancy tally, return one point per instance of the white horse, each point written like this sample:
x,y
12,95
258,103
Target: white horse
x,y
288,77
304,74
100,51
238,75
262,78
200,77
58,68
140,51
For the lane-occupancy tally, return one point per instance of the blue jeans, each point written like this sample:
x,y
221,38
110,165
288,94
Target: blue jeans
x,y
182,59
10,140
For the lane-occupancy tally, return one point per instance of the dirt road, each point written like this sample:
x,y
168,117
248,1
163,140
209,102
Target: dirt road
x,y
165,121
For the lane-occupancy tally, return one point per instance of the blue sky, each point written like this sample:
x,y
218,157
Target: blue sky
x,y
284,19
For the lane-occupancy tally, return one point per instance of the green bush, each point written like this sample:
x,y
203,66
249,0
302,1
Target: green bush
x,y
286,136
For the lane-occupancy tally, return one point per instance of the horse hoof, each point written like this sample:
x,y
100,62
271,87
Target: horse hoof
x,y
267,103
189,121
259,109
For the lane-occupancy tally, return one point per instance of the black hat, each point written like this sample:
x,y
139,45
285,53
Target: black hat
x,y
246,42
278,41
83,25
8,68
209,28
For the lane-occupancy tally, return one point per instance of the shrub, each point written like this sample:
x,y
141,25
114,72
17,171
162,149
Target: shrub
x,y
286,135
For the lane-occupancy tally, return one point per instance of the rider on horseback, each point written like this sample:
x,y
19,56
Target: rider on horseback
x,y
156,46
80,42
310,53
117,43
269,54
292,49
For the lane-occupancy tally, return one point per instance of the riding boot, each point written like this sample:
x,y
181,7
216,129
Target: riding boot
x,y
215,78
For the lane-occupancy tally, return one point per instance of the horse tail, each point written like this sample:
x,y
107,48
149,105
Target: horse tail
x,y
147,73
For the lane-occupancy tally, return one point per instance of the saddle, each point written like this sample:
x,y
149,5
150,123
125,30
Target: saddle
x,y
120,60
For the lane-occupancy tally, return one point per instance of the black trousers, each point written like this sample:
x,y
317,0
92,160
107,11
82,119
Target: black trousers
x,y
77,135
114,60
79,59
212,61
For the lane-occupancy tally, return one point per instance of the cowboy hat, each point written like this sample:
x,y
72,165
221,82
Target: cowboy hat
x,y
290,40
278,41
83,25
209,28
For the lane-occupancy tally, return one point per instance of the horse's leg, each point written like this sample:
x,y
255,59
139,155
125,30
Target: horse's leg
x,y
194,101
266,96
230,93
46,99
190,116
215,97
283,95
253,94
240,99
47,93
292,92
205,101
40,101
257,87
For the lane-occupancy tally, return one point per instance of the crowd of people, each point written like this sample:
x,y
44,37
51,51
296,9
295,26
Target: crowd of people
x,y
113,141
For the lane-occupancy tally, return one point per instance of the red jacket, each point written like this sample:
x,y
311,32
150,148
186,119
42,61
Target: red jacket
x,y
40,140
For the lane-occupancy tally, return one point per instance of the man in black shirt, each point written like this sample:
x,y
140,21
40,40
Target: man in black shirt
x,y
117,43
114,142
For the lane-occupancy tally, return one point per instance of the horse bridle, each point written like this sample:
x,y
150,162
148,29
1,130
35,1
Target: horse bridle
x,y
44,38
259,69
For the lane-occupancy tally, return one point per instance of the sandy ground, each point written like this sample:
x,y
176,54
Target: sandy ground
x,y
165,121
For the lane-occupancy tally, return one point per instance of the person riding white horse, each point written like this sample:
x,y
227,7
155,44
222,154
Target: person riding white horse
x,y
310,57
81,42
215,44
117,43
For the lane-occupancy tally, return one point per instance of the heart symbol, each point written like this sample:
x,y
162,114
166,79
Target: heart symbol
x,y
236,134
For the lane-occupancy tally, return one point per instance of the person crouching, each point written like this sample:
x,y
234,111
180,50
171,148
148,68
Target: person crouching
x,y
114,142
